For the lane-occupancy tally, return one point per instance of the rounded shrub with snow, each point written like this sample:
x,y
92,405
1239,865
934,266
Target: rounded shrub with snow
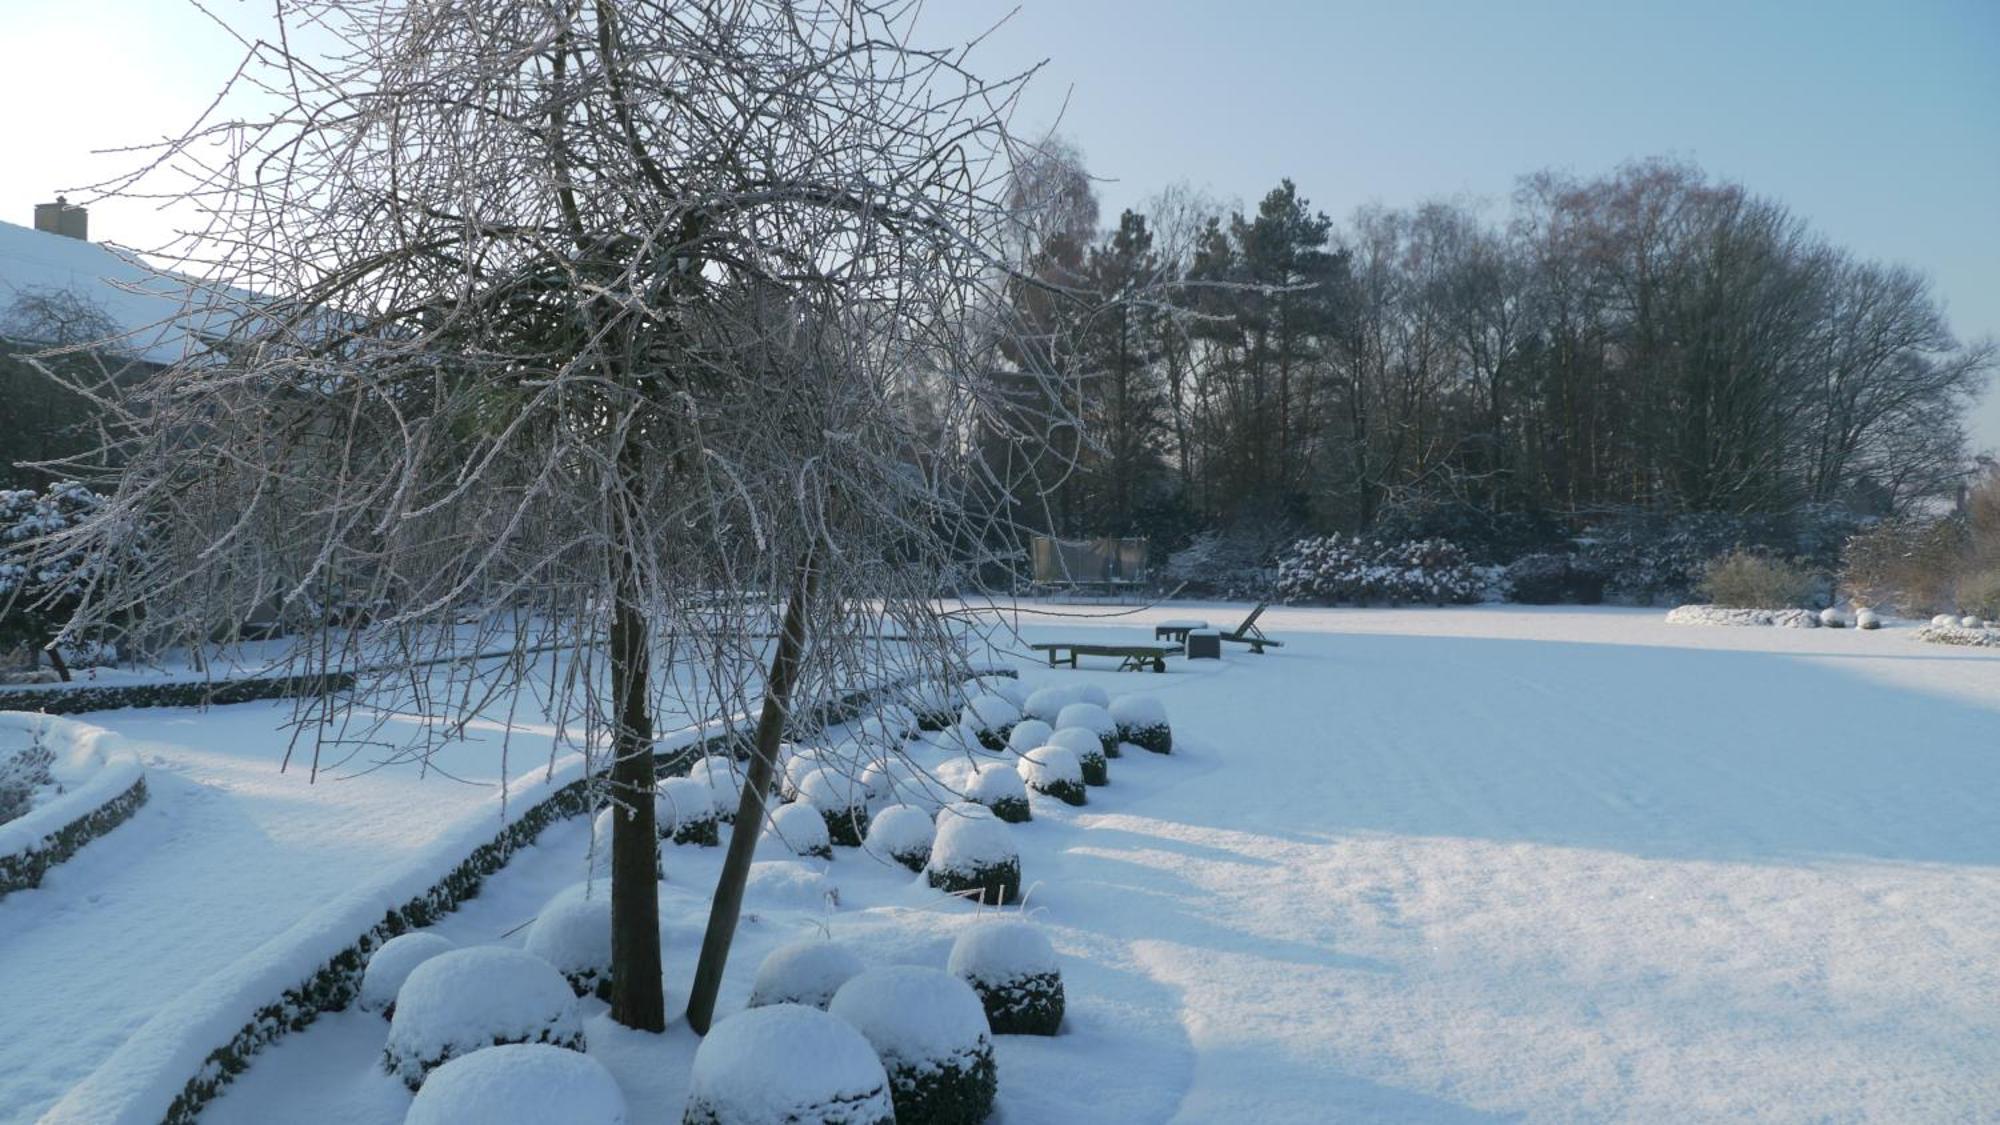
x,y
1013,969
794,763
1089,750
787,1064
988,718
804,972
1054,771
390,966
1094,718
934,703
1866,619
1142,721
998,786
519,1084
902,833
973,855
1047,703
684,812
842,802
929,1030
457,1002
724,782
1028,734
573,933
1009,688
796,828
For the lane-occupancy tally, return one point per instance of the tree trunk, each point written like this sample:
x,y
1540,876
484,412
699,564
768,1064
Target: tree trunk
x,y
727,904
637,997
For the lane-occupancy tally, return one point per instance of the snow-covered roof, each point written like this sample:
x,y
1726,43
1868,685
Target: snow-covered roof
x,y
149,310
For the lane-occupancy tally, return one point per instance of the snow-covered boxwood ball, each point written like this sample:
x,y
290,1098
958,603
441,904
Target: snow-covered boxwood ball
x,y
1012,967
796,828
1055,771
1094,718
519,1084
1009,688
933,702
988,718
842,802
929,1029
684,812
998,786
973,855
1089,750
1091,693
573,933
902,833
1046,703
787,1064
794,763
459,1001
1142,721
390,966
724,782
805,972
1028,734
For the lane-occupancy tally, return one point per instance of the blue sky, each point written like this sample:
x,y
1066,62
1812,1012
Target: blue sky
x,y
1879,122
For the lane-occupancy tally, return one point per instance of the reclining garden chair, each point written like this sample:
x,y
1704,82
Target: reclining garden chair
x,y
1249,634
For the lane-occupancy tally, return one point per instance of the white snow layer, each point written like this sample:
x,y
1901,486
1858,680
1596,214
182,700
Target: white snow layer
x,y
829,790
460,1001
775,1065
1081,741
1087,716
989,712
970,837
995,781
1028,734
1138,710
1048,765
900,830
795,829
805,972
573,930
1001,950
390,966
913,1014
91,764
681,800
1726,615
519,1084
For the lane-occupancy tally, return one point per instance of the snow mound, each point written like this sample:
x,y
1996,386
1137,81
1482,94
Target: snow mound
x,y
1094,718
519,1084
902,833
723,780
1725,615
1866,619
684,812
1970,621
1088,746
786,1064
573,933
1055,771
390,966
789,883
1091,693
457,1002
1047,703
1832,618
804,972
929,1030
973,855
1028,734
1013,969
1944,619
1142,721
797,763
842,803
796,829
999,787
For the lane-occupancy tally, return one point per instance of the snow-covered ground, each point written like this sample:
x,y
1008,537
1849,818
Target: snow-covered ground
x,y
1416,865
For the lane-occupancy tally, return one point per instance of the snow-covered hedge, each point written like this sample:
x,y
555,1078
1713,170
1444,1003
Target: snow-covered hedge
x,y
1724,615
973,855
1055,771
1047,703
1341,568
787,1064
457,1002
1088,747
519,1084
1094,718
902,833
1142,721
1013,969
805,972
1959,635
98,781
392,964
77,699
1546,579
929,1029
573,933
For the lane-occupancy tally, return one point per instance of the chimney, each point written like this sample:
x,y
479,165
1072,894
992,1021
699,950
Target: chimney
x,y
63,219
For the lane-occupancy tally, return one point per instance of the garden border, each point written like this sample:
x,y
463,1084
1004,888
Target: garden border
x,y
43,837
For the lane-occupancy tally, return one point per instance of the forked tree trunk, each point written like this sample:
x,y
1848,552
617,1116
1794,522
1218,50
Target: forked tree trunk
x,y
637,998
728,902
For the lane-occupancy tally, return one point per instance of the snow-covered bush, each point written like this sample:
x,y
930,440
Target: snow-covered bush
x,y
459,1001
1952,633
1727,615
1866,619
724,782
1091,693
684,812
999,787
933,702
1944,620
1339,568
1979,593
1028,734
929,1030
904,834
1013,969
1055,771
787,1064
1548,579
805,972
43,588
973,855
1095,719
1744,579
1047,703
1009,688
573,933
1142,721
519,1084
987,718
1969,621
842,802
794,763
1832,618
1088,746
1911,564
390,966
798,829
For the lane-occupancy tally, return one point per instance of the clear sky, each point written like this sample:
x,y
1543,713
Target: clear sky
x,y
1879,122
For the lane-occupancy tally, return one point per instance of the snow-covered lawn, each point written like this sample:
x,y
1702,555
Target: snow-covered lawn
x,y
1416,865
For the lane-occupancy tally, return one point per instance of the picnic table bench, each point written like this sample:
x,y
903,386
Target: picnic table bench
x,y
1137,656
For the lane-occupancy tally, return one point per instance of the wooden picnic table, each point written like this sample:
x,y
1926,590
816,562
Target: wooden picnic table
x,y
1137,655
